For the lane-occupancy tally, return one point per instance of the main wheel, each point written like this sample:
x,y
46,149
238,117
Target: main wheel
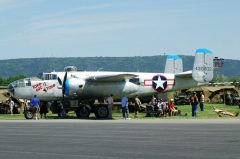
x,y
101,112
28,114
83,111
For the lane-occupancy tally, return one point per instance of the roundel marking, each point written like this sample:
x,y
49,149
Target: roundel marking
x,y
159,83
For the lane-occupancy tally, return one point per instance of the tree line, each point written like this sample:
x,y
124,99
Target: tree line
x,y
8,80
32,67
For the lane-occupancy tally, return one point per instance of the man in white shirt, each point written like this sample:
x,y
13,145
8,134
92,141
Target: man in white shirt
x,y
11,105
110,106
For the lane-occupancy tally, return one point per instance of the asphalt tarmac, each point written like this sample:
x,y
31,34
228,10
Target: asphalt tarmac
x,y
121,139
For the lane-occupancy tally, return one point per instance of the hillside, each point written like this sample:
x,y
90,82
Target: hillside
x,y
34,66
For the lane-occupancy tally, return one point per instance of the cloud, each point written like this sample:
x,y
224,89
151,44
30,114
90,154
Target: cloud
x,y
73,23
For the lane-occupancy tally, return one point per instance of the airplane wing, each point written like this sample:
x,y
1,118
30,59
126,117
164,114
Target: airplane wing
x,y
111,78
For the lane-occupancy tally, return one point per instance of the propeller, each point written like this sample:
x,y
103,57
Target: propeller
x,y
64,86
59,81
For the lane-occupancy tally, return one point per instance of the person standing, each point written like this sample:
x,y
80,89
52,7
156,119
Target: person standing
x,y
194,104
43,110
25,105
11,105
35,103
110,101
137,106
201,104
125,111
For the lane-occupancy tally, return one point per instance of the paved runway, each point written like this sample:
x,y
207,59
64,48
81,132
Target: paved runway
x,y
120,139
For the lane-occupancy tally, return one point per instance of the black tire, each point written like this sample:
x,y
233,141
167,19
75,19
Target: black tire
x,y
101,112
28,114
83,112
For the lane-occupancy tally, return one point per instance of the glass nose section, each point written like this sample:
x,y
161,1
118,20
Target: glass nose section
x,y
11,88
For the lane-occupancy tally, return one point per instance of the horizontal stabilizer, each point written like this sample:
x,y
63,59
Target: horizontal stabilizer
x,y
187,74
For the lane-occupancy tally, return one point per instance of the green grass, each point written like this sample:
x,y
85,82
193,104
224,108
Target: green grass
x,y
208,113
187,109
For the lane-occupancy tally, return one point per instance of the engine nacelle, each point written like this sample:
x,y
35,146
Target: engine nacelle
x,y
74,87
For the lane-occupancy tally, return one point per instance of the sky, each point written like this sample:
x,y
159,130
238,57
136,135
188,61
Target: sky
x,y
117,28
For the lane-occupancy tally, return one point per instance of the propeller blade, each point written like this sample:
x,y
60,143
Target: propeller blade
x,y
64,83
59,81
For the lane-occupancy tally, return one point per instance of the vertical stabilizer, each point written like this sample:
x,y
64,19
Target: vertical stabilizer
x,y
173,64
203,66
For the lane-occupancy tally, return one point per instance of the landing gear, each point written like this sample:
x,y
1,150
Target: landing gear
x,y
62,112
83,111
28,113
101,111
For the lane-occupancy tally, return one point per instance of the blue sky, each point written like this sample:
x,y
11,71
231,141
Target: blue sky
x,y
89,28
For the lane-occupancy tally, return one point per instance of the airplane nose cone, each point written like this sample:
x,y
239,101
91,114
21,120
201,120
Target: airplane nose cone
x,y
11,89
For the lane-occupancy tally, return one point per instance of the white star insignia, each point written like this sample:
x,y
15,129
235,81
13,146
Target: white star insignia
x,y
159,83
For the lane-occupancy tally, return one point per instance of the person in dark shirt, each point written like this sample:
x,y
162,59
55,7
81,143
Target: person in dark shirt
x,y
194,104
43,110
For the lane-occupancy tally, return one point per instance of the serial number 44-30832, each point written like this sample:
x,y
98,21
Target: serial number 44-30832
x,y
203,68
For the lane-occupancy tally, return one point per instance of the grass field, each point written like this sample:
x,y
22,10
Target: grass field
x,y
208,113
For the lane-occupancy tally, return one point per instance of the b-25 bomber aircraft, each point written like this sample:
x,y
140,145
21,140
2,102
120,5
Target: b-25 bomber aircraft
x,y
79,89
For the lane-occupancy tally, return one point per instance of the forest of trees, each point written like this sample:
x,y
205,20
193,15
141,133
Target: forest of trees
x,y
6,81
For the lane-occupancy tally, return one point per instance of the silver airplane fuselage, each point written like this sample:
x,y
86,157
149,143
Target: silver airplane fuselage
x,y
86,85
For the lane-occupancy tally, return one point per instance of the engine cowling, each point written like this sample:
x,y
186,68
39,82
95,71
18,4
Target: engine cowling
x,y
74,87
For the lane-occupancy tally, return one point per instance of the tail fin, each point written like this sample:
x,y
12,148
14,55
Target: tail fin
x,y
173,64
203,66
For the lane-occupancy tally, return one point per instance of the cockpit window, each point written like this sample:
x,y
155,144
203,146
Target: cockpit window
x,y
28,82
135,81
21,83
14,84
49,76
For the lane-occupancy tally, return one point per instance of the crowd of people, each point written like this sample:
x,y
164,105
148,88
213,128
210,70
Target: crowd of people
x,y
156,107
160,107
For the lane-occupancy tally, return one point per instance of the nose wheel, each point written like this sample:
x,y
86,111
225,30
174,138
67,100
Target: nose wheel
x,y
28,113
